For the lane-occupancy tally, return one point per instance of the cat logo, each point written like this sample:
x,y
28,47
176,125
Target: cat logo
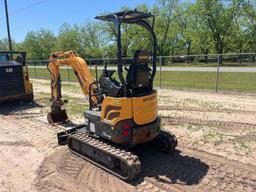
x,y
9,70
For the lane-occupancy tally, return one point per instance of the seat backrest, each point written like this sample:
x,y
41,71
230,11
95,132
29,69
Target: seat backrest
x,y
138,74
141,57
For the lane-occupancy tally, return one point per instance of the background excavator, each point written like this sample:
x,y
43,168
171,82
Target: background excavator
x,y
14,77
121,113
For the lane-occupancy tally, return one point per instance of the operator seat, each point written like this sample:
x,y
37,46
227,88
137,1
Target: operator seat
x,y
138,76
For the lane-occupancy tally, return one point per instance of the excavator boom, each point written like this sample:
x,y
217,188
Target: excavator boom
x,y
83,74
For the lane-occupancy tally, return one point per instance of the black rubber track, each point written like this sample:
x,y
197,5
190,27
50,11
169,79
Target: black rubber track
x,y
124,157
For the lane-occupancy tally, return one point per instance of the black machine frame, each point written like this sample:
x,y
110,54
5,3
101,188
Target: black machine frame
x,y
132,17
11,53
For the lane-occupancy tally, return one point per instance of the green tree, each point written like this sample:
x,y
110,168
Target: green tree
x,y
249,13
69,38
93,39
39,44
220,17
202,39
19,46
185,27
4,44
165,27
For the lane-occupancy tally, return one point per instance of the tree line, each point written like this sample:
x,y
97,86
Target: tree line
x,y
182,28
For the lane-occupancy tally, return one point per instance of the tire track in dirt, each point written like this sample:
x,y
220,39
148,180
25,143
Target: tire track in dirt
x,y
24,143
224,174
169,120
202,109
42,136
191,171
32,132
195,170
38,133
78,173
185,170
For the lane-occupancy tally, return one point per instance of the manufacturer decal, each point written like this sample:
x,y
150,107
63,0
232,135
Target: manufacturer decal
x,y
9,70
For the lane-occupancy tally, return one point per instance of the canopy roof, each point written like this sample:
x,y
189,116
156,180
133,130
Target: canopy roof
x,y
130,16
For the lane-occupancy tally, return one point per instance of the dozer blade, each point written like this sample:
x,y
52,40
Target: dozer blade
x,y
57,117
63,135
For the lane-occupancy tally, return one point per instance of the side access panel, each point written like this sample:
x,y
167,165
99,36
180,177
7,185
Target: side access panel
x,y
96,126
145,109
117,109
11,80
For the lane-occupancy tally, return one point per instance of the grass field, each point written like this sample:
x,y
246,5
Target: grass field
x,y
228,81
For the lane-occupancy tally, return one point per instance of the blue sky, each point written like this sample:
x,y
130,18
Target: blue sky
x,y
50,14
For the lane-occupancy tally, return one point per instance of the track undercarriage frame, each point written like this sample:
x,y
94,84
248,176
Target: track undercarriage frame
x,y
111,157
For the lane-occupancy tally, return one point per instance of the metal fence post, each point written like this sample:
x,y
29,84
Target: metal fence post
x,y
217,75
160,73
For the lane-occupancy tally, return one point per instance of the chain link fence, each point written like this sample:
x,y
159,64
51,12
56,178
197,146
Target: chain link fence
x,y
226,72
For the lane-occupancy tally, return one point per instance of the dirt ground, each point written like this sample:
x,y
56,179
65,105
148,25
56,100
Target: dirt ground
x,y
216,151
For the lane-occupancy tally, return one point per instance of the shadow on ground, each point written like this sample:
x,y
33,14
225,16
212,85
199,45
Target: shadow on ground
x,y
175,168
8,108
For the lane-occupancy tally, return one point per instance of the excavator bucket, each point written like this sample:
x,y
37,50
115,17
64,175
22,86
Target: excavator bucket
x,y
57,117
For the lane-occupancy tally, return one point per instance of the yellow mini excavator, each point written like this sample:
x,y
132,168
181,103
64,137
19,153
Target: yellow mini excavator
x,y
122,113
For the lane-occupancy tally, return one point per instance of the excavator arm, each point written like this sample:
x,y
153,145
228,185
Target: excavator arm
x,y
83,74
